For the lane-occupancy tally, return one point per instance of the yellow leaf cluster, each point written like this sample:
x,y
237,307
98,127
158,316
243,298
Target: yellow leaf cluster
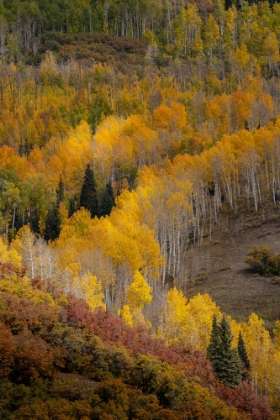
x,y
9,255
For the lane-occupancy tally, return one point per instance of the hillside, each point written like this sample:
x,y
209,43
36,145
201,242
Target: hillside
x,y
61,361
139,163
219,269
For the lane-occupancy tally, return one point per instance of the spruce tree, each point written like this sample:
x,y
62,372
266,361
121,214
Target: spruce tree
x,y
60,191
242,352
108,201
73,205
53,222
88,198
215,343
52,229
224,359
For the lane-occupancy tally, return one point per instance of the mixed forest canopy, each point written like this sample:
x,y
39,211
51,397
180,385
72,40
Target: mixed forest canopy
x,y
129,132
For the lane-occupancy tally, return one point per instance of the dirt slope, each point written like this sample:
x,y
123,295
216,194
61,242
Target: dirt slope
x,y
218,268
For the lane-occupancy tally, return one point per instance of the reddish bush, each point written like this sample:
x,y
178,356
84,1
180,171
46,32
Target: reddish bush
x,y
7,350
33,358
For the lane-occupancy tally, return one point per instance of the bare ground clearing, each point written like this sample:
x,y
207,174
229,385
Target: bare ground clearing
x,y
218,268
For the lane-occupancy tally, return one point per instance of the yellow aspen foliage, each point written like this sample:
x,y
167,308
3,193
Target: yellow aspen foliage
x,y
133,240
175,317
125,314
170,118
162,115
111,147
17,284
73,240
68,260
143,138
78,226
188,321
9,255
241,58
176,305
117,244
63,213
179,115
200,311
11,161
218,112
140,293
65,158
75,152
92,291
241,109
36,156
260,350
235,329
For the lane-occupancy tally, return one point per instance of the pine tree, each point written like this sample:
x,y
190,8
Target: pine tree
x,y
224,359
53,222
88,198
73,205
60,191
52,229
242,352
215,343
108,201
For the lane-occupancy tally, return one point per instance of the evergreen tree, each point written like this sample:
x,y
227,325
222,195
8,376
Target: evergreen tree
x,y
215,343
108,200
242,352
73,206
224,359
53,222
60,191
88,198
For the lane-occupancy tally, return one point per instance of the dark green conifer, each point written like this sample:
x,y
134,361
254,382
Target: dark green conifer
x,y
224,359
215,343
108,200
53,222
88,198
242,352
73,205
52,229
60,191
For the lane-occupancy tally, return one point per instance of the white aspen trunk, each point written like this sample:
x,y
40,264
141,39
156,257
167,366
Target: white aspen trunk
x,y
266,172
273,180
254,188
258,187
179,252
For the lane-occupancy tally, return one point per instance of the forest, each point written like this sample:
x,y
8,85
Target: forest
x,y
129,133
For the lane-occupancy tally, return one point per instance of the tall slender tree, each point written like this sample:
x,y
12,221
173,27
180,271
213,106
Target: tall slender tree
x,y
215,342
107,201
73,205
224,359
88,198
242,352
60,191
53,221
